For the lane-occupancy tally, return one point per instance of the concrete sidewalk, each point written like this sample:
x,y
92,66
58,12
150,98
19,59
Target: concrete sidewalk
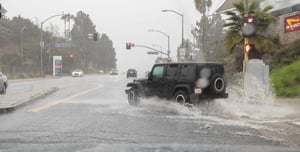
x,y
11,102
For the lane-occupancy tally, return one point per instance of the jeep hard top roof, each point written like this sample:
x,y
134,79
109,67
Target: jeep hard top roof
x,y
199,63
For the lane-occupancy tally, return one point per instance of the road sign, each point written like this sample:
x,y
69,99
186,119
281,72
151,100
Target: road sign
x,y
62,45
57,65
292,23
154,53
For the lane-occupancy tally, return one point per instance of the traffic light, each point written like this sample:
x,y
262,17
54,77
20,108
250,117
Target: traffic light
x,y
128,46
249,48
169,59
71,57
95,36
249,19
249,27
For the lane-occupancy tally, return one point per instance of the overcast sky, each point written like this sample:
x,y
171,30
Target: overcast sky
x,y
122,20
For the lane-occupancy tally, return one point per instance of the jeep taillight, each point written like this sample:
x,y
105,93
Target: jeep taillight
x,y
197,83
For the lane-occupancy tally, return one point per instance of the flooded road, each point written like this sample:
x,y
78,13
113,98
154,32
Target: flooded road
x,y
92,114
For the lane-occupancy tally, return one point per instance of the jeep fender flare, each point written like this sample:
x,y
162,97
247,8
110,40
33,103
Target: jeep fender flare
x,y
182,87
135,85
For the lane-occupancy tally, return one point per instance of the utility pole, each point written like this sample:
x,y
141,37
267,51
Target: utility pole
x,y
42,43
22,44
246,40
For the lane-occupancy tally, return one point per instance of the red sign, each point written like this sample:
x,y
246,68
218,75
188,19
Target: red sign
x,y
58,66
292,23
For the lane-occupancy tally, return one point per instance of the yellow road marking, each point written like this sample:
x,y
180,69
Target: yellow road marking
x,y
51,104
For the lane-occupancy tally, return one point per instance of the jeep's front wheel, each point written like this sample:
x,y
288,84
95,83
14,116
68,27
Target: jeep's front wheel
x,y
3,90
133,98
181,97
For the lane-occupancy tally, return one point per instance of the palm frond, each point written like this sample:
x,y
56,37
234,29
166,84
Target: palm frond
x,y
239,6
267,9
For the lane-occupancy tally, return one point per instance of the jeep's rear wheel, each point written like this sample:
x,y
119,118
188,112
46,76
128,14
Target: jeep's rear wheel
x,y
133,98
181,97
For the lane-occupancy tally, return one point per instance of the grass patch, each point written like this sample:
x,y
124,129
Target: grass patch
x,y
286,79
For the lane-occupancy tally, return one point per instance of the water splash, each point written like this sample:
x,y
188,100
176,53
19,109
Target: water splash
x,y
258,103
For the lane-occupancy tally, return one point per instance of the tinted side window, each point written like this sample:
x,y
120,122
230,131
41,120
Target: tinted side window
x,y
171,70
158,72
187,71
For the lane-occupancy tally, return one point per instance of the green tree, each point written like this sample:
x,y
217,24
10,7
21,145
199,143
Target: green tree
x,y
83,46
10,37
203,5
265,40
209,36
99,54
106,56
208,33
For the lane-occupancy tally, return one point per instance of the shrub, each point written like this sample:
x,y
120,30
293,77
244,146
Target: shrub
x,y
286,80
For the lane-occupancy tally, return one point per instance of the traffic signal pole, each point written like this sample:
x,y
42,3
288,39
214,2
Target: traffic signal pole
x,y
246,39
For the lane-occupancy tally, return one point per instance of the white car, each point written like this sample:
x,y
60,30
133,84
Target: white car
x,y
3,83
77,73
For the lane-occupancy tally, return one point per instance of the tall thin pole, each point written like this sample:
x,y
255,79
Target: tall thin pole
x,y
42,40
41,51
22,44
246,40
182,30
169,51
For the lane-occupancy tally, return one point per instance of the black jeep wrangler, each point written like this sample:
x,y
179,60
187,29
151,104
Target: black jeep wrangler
x,y
181,82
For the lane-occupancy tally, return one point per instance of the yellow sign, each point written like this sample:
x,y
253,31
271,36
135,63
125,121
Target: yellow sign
x,y
292,23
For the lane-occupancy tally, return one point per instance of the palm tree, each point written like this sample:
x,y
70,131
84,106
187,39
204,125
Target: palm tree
x,y
265,40
67,18
202,4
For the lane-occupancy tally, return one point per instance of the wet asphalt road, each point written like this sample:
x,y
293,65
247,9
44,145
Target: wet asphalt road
x,y
92,114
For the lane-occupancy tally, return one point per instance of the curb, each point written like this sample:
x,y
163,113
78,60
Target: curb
x,y
28,100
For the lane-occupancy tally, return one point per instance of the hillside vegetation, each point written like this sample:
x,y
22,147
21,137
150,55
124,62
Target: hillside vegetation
x,y
286,79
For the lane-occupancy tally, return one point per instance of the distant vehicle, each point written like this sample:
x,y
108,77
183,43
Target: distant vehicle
x,y
185,83
114,72
101,71
131,73
3,83
77,73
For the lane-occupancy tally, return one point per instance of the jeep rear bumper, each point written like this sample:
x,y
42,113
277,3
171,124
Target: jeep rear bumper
x,y
198,97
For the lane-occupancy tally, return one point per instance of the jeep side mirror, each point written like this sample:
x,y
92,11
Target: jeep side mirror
x,y
150,77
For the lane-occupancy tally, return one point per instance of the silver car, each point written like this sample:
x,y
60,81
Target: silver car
x,y
3,83
77,73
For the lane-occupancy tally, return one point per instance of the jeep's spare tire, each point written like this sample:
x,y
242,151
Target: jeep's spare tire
x,y
218,84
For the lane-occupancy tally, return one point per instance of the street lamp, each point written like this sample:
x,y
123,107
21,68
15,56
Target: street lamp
x,y
22,44
160,48
42,40
182,41
166,36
